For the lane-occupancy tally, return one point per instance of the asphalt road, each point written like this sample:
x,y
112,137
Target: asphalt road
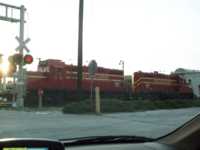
x,y
54,124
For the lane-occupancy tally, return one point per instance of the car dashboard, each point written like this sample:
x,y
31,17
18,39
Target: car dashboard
x,y
47,144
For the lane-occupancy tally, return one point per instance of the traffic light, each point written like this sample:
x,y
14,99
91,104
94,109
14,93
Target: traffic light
x,y
28,59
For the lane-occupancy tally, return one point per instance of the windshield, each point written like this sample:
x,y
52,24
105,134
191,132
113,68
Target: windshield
x,y
75,68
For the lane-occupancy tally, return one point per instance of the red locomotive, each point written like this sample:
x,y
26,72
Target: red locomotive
x,y
157,84
58,80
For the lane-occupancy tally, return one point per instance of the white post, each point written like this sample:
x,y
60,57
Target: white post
x,y
97,101
91,94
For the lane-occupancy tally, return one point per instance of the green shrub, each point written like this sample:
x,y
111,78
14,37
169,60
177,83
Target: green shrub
x,y
117,105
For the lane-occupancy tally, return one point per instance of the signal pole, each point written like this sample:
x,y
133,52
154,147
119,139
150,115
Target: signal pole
x,y
20,85
80,48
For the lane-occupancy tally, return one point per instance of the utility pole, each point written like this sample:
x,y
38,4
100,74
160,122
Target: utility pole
x,y
22,45
80,48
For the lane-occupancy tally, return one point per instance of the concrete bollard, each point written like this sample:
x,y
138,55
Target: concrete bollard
x,y
97,101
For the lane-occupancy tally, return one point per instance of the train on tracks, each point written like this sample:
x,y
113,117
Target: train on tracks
x,y
57,82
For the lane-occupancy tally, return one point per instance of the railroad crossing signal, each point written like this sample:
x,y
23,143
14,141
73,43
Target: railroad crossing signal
x,y
10,18
22,44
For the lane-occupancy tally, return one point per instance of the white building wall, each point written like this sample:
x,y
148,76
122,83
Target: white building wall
x,y
195,82
192,78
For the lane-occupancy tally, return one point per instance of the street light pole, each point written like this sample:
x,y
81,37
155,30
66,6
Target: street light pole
x,y
122,63
80,48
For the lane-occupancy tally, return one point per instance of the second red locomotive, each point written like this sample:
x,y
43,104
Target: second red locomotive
x,y
157,84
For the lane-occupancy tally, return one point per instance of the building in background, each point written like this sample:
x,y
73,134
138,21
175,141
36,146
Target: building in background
x,y
192,77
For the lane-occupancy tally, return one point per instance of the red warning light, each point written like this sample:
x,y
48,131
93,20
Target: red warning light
x,y
28,59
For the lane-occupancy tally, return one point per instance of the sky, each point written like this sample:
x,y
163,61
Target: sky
x,y
148,35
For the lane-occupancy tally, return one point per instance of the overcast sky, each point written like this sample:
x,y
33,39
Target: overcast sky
x,y
148,35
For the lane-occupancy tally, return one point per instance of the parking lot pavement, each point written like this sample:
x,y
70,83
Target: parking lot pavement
x,y
54,124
